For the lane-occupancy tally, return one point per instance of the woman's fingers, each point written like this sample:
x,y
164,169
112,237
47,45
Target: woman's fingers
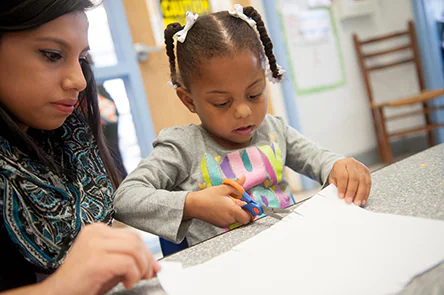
x,y
129,270
100,258
119,267
129,243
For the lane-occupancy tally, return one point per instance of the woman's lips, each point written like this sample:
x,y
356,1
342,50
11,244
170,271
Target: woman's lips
x,y
66,108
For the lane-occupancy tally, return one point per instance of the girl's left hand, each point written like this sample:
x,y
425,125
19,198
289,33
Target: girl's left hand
x,y
352,179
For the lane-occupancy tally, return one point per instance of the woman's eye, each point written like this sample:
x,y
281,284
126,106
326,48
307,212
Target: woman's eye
x,y
84,59
52,56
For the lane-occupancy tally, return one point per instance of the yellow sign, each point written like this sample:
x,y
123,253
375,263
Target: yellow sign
x,y
174,10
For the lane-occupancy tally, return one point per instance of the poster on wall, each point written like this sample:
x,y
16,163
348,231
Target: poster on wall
x,y
175,10
354,8
164,12
319,3
312,47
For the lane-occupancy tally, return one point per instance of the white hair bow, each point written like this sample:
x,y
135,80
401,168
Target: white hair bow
x,y
190,20
172,85
270,77
269,72
239,13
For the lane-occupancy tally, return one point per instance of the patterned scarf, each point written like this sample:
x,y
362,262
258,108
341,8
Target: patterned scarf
x,y
43,212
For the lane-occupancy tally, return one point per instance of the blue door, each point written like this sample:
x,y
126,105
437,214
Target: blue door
x,y
427,15
116,68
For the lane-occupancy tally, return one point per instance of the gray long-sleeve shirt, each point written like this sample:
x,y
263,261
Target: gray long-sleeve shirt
x,y
186,159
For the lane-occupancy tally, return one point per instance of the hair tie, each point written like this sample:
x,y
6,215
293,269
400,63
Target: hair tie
x,y
239,13
172,85
190,20
269,72
270,77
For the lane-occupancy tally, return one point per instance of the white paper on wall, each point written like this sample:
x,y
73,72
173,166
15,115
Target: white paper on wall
x,y
312,46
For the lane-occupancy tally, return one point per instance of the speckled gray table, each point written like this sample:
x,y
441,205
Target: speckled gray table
x,y
413,186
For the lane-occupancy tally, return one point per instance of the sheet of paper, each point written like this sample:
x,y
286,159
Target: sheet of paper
x,y
170,277
325,247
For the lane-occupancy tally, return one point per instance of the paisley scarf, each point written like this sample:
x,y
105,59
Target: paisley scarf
x,y
43,212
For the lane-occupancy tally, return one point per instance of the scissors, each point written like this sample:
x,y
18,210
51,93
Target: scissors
x,y
251,206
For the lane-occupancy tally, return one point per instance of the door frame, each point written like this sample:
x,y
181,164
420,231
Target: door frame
x,y
432,63
127,69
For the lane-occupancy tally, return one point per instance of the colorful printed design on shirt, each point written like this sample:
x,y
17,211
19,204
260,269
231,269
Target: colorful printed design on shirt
x,y
263,168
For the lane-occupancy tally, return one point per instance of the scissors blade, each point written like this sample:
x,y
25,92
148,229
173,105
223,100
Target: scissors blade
x,y
303,200
273,212
280,210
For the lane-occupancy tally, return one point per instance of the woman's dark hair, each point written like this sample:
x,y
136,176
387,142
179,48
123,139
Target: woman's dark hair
x,y
20,15
215,35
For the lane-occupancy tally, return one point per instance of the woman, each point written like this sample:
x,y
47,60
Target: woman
x,y
56,174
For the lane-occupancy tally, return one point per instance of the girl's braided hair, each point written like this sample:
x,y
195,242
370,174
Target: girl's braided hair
x,y
216,35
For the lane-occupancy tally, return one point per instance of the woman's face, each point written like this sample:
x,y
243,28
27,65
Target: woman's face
x,y
41,76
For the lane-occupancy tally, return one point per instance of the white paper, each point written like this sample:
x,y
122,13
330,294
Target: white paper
x,y
327,247
170,276
319,3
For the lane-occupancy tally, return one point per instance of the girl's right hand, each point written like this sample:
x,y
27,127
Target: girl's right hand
x,y
214,205
99,259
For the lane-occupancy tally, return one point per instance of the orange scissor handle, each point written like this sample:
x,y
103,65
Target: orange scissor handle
x,y
236,185
243,199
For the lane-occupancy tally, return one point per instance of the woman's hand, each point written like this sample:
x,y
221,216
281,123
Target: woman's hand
x,y
352,179
99,259
214,205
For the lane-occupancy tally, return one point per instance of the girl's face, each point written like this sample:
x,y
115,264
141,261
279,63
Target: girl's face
x,y
41,76
229,97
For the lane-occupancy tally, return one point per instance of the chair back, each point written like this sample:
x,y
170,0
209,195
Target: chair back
x,y
364,56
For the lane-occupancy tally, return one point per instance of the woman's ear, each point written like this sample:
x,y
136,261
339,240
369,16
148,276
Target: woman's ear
x,y
186,99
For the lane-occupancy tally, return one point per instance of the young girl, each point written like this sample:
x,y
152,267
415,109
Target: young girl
x,y
56,174
177,191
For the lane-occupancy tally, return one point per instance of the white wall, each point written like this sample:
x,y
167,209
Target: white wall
x,y
437,6
340,119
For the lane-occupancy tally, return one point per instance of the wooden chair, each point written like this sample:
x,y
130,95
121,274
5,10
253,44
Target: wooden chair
x,y
379,109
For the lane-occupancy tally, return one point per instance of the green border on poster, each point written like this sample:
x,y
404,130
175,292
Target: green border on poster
x,y
340,56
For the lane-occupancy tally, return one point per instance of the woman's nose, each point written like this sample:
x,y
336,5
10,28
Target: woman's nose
x,y
75,79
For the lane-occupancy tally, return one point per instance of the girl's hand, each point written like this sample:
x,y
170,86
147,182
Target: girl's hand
x,y
214,205
352,179
99,259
